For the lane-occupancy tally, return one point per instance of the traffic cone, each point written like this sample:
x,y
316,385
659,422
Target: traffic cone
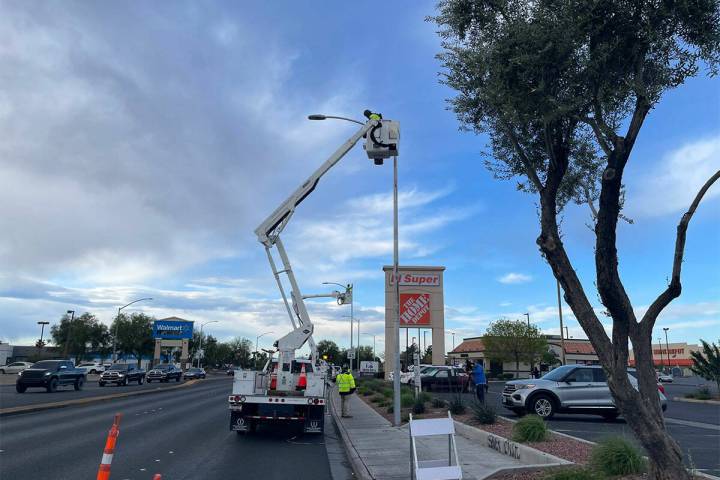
x,y
302,381
104,470
157,476
273,378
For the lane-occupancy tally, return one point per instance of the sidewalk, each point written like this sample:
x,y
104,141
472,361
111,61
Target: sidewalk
x,y
380,451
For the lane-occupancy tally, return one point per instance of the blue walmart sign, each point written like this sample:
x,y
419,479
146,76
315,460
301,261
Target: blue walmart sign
x,y
172,329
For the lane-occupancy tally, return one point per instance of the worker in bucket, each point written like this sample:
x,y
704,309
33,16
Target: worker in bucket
x,y
346,386
480,382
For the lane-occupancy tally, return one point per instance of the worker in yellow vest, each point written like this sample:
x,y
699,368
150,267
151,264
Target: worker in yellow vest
x,y
346,386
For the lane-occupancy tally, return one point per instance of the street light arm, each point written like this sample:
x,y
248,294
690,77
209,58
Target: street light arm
x,y
138,300
325,117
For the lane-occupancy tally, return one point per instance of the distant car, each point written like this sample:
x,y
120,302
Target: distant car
x,y
442,378
230,372
92,368
665,377
164,372
50,374
194,373
15,367
122,374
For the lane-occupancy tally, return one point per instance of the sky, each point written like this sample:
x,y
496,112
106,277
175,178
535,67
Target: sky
x,y
143,143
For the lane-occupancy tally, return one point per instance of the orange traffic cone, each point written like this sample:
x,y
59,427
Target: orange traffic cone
x,y
157,476
104,470
273,378
302,381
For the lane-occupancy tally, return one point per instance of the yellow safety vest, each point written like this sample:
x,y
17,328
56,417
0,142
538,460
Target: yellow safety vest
x,y
345,382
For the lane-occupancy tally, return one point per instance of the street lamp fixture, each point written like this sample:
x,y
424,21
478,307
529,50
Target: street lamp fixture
x,y
348,288
257,339
528,318
42,330
117,322
201,337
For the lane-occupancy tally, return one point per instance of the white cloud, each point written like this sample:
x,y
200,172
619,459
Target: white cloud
x,y
671,186
514,278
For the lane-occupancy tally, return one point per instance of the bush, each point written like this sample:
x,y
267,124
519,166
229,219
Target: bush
x,y
407,400
457,406
617,456
387,392
390,408
418,406
530,429
405,417
439,403
484,414
506,376
703,393
573,474
424,396
377,398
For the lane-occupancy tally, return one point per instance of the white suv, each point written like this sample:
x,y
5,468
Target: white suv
x,y
92,368
15,367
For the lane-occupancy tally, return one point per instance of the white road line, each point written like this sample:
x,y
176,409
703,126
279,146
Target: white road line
x,y
688,423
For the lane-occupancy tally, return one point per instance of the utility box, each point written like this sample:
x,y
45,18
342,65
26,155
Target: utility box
x,y
383,141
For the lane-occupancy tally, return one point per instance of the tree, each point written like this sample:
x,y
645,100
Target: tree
x,y
707,363
427,356
81,335
562,89
134,335
364,353
329,348
514,341
241,348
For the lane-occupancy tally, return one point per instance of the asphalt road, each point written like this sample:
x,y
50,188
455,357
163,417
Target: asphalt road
x,y
696,427
182,434
10,398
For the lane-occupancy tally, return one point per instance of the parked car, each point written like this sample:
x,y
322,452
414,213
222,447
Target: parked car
x,y
15,367
664,377
92,368
405,377
164,372
194,372
567,389
122,374
50,374
442,378
230,372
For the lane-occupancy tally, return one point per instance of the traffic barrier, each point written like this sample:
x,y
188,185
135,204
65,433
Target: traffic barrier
x,y
302,381
104,470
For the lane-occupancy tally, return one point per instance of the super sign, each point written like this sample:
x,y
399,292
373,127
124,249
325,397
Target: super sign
x,y
414,309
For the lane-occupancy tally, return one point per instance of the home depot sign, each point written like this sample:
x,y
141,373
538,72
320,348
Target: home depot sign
x,y
414,309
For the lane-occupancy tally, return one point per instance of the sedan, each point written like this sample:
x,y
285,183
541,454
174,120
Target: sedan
x,y
664,377
194,373
439,378
15,367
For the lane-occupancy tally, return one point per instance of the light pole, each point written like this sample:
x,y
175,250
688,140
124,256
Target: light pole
x,y
372,335
453,336
42,330
199,352
396,267
69,334
667,347
662,361
562,338
528,318
117,323
257,339
348,288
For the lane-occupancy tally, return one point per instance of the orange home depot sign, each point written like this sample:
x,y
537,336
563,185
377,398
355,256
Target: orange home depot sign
x,y
414,309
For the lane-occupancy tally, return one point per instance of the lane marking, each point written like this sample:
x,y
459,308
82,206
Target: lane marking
x,y
688,423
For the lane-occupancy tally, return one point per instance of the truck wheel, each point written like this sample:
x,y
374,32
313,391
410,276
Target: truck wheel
x,y
177,379
141,380
52,385
102,384
124,382
149,381
610,416
542,406
2,371
20,388
79,383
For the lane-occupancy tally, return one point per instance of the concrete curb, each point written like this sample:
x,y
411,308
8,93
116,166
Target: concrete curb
x,y
358,466
694,400
83,401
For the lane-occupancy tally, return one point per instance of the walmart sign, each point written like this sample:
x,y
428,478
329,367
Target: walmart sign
x,y
172,329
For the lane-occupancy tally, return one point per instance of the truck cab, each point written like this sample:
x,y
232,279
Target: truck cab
x,y
50,374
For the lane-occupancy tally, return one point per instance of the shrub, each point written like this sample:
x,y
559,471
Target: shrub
x,y
457,406
703,393
390,408
439,403
506,376
530,429
617,456
424,396
418,406
484,414
573,474
407,400
377,398
387,392
405,417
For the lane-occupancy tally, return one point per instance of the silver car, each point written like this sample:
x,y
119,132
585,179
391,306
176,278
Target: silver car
x,y
567,389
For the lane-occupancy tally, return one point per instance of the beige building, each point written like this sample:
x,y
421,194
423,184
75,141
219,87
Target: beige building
x,y
472,349
675,356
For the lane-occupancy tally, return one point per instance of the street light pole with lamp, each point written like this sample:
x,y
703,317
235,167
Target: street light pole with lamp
x,y
117,323
199,352
348,289
667,347
69,333
42,331
257,339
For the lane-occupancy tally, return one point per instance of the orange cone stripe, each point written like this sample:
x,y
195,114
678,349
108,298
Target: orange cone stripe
x,y
109,451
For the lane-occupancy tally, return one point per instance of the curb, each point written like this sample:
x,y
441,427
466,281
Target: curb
x,y
358,467
694,400
83,401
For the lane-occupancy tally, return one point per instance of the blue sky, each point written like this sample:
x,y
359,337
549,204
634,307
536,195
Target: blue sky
x,y
143,143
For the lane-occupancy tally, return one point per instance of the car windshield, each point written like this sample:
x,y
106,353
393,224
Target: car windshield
x,y
46,364
194,370
86,365
118,367
559,373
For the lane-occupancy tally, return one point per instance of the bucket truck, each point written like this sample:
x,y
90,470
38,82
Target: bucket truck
x,y
290,389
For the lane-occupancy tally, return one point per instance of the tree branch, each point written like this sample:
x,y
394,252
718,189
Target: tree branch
x,y
612,137
675,288
529,169
598,134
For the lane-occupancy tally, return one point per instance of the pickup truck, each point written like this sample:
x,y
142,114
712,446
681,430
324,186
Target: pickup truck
x,y
50,374
164,373
122,374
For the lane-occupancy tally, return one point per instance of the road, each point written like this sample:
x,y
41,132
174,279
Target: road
x,y
696,427
182,434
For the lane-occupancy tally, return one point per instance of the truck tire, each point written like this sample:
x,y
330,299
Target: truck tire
x,y
141,380
52,385
177,379
2,371
542,405
20,388
124,382
79,383
149,381
102,384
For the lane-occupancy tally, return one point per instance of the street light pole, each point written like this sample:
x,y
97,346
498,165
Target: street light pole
x,y
562,338
257,339
201,337
662,360
528,318
396,276
348,288
667,346
69,334
117,323
42,330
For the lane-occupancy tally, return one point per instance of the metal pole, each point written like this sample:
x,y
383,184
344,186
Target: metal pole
x,y
69,334
117,324
396,268
667,347
425,341
528,318
662,361
562,339
407,348
352,319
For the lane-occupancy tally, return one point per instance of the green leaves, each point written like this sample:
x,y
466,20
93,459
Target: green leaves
x,y
514,340
707,363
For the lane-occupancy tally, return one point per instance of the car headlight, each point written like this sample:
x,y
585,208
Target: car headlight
x,y
121,375
19,373
47,373
528,385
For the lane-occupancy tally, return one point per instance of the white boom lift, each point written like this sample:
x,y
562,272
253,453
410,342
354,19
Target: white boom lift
x,y
278,382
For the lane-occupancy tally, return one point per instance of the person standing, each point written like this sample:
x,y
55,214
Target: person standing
x,y
480,382
535,372
346,386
